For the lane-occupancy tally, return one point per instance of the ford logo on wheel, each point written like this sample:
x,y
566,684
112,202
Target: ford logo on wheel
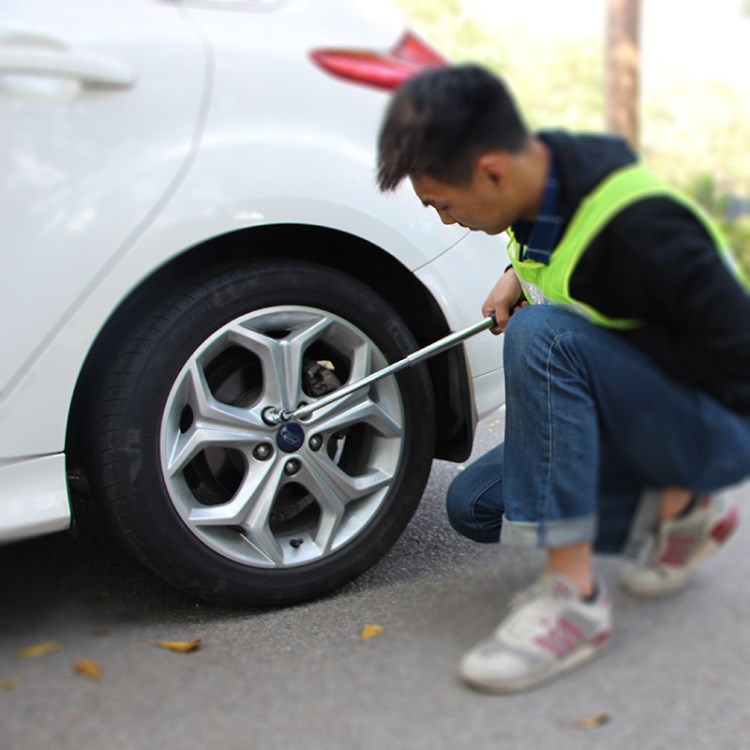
x,y
290,437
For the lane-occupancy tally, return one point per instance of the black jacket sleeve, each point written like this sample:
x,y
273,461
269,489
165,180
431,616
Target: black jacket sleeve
x,y
655,261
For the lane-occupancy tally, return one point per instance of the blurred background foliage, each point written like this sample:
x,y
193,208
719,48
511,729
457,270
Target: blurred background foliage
x,y
694,132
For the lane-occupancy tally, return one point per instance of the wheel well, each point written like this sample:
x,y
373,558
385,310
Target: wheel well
x,y
347,253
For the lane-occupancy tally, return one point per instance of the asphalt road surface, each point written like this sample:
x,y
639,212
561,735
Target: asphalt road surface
x,y
676,675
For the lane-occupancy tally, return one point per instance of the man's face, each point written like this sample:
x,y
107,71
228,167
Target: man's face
x,y
484,205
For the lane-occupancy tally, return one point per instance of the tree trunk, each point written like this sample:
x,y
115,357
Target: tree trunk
x,y
623,68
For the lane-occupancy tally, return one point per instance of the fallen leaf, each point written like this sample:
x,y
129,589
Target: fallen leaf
x,y
370,631
593,722
101,632
9,684
88,668
38,649
182,647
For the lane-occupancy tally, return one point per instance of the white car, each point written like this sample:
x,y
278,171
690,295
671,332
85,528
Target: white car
x,y
192,236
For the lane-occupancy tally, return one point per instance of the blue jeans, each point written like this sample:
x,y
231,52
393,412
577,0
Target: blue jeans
x,y
591,424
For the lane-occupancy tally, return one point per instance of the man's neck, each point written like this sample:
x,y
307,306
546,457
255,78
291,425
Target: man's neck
x,y
534,163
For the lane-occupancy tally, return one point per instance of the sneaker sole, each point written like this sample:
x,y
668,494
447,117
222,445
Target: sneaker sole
x,y
575,659
673,584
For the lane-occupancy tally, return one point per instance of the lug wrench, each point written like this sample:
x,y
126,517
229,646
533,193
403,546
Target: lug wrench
x,y
277,416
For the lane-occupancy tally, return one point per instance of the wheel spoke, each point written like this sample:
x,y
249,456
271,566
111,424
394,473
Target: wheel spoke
x,y
334,490
358,407
269,351
361,362
198,396
330,523
293,349
247,501
263,540
348,412
213,424
332,502
282,358
250,508
328,476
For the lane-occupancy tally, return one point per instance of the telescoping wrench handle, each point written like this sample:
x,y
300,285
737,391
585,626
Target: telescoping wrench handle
x,y
411,359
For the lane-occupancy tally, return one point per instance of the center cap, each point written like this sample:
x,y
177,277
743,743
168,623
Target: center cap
x,y
290,437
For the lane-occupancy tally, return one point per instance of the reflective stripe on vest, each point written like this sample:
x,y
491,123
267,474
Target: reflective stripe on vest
x,y
549,284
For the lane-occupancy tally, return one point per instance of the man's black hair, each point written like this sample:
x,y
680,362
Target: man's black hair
x,y
441,120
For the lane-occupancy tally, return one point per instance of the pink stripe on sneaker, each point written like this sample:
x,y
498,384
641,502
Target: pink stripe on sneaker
x,y
601,638
678,549
546,642
727,526
562,639
570,628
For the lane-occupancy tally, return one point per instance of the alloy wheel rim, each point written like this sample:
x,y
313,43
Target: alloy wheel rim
x,y
273,496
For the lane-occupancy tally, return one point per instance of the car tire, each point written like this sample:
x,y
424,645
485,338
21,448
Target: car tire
x,y
216,500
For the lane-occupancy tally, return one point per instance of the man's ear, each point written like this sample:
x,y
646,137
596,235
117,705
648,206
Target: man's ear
x,y
493,168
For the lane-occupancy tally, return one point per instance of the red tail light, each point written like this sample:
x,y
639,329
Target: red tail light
x,y
383,70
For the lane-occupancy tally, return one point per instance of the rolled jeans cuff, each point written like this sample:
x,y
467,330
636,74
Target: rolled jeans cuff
x,y
562,532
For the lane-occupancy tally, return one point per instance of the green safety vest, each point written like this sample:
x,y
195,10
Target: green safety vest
x,y
550,284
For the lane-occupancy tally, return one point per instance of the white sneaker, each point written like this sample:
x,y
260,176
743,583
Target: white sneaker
x,y
548,630
680,545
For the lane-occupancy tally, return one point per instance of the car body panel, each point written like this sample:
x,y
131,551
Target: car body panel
x,y
83,170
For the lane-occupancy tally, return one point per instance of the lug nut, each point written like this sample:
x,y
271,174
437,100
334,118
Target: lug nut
x,y
315,442
292,467
263,451
271,416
